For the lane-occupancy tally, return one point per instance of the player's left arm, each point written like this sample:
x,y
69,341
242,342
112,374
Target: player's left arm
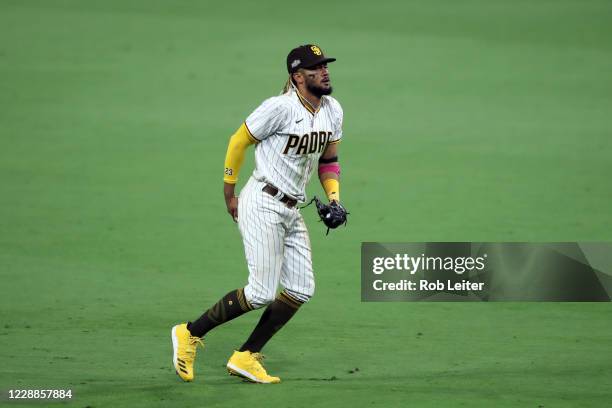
x,y
329,172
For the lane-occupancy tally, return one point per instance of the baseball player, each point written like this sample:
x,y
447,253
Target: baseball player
x,y
294,134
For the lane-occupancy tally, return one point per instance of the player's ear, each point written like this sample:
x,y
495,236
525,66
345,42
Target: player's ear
x,y
298,78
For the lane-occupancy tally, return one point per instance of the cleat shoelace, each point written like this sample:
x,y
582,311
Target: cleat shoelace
x,y
258,356
259,362
192,346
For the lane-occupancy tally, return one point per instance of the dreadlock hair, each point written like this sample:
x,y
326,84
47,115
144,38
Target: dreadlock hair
x,y
289,84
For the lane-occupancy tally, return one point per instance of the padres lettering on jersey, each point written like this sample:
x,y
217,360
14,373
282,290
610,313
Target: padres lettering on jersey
x,y
313,142
291,140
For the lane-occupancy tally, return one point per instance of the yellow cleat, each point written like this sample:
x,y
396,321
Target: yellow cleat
x,y
184,346
248,366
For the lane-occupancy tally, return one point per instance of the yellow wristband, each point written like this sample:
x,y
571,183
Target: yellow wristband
x,y
332,189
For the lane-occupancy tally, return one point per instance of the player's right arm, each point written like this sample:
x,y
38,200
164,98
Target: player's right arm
x,y
233,161
259,125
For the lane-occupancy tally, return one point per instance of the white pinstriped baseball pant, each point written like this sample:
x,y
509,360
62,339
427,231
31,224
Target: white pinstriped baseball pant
x,y
276,246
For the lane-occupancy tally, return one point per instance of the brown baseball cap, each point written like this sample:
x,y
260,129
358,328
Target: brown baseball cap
x,y
306,56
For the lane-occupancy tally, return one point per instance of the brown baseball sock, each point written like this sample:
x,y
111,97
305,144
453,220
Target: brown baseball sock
x,y
272,320
229,307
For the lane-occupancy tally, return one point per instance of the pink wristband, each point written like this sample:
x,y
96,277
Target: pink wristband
x,y
329,168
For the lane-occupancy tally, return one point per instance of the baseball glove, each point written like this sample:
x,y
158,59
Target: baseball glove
x,y
333,214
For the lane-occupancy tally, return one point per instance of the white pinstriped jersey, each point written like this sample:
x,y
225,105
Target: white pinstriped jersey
x,y
291,140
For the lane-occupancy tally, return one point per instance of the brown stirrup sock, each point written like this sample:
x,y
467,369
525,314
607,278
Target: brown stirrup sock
x,y
274,317
230,306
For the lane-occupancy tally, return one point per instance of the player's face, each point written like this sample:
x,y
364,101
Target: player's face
x,y
317,80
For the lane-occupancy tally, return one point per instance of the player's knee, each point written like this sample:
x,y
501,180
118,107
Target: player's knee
x,y
302,296
258,300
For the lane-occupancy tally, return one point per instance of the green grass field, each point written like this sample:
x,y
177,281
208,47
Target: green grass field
x,y
473,120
